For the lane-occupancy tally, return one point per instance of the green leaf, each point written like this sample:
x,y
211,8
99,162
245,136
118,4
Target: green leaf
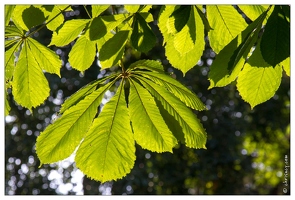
x,y
150,130
83,92
68,32
112,51
8,13
194,133
258,81
108,150
226,23
286,65
98,9
171,122
59,140
82,54
102,25
175,87
164,18
7,106
231,59
253,11
27,16
45,57
57,21
151,65
186,61
29,87
183,41
275,42
12,31
131,8
9,61
142,37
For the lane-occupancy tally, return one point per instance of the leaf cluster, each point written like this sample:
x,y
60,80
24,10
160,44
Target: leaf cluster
x,y
149,107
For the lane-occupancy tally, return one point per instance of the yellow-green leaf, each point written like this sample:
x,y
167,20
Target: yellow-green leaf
x,y
82,54
29,86
226,23
68,32
98,9
112,51
47,59
192,129
258,81
108,150
150,130
59,140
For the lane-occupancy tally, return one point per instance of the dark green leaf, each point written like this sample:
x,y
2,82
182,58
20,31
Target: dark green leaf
x,y
275,42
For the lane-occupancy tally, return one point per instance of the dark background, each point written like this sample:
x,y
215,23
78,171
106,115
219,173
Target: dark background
x,y
245,149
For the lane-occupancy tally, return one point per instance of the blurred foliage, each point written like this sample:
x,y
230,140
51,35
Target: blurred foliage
x,y
245,150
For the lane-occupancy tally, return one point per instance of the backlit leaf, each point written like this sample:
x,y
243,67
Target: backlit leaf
x,y
10,61
226,23
108,150
258,81
83,92
27,16
231,59
8,13
45,57
286,65
194,133
29,87
67,131
151,65
186,61
68,32
153,134
112,51
98,9
253,11
82,60
58,18
175,87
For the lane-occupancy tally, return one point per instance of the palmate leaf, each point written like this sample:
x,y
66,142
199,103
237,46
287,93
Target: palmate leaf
x,y
150,130
112,51
192,129
180,91
47,59
231,59
108,150
67,131
29,86
258,80
275,43
226,23
68,32
82,60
